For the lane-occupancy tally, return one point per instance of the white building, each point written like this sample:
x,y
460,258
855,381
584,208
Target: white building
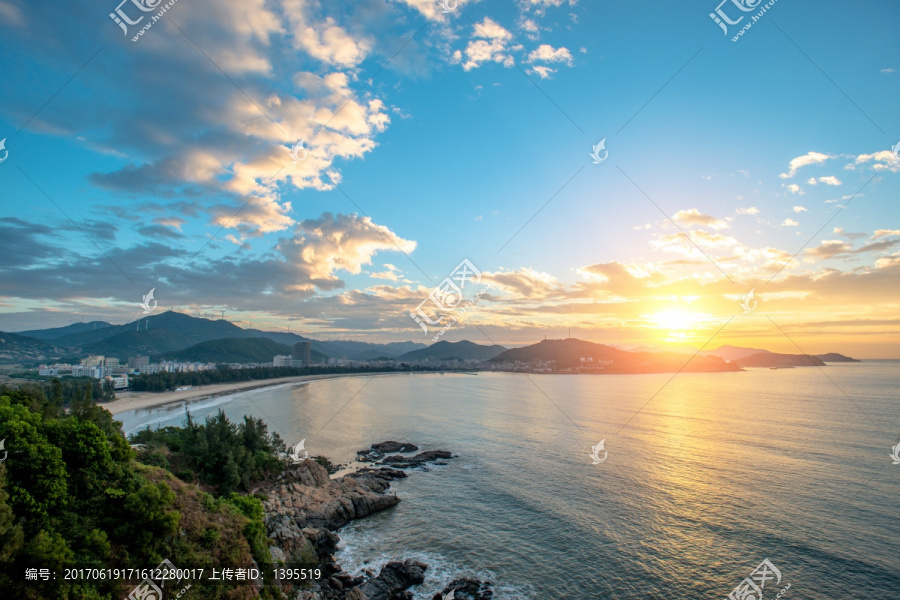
x,y
283,361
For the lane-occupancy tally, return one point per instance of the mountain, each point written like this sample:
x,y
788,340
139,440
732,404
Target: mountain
x,y
771,359
834,357
568,354
16,348
172,331
464,350
234,350
58,332
733,353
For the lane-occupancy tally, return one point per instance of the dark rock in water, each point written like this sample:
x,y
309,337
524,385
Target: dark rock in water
x,y
419,460
391,583
382,472
467,588
385,447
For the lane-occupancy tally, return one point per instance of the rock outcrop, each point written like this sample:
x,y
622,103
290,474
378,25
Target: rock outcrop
x,y
305,507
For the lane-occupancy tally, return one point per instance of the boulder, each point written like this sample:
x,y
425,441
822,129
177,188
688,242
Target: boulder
x,y
394,579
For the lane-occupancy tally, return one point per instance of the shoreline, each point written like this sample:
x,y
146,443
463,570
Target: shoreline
x,y
127,401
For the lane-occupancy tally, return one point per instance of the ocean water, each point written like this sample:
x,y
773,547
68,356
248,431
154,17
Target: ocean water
x,y
706,476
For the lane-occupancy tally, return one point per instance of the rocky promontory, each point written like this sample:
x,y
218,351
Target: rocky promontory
x,y
305,507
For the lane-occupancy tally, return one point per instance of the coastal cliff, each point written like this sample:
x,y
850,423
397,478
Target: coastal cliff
x,y
305,507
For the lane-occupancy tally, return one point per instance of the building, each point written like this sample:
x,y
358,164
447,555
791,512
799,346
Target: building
x,y
93,361
283,361
136,362
119,383
303,353
111,363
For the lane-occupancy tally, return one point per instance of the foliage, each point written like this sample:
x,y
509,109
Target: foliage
x,y
219,453
72,494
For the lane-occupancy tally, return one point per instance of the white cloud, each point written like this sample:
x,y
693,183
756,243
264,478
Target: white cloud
x,y
799,209
830,180
547,53
693,216
794,189
544,72
320,247
748,211
492,47
810,158
887,70
790,223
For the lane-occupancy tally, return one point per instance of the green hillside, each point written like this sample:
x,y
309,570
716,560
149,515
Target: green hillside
x,y
234,350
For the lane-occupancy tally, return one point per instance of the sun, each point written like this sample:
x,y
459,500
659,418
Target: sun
x,y
676,325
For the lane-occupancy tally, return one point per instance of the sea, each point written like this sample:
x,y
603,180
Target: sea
x,y
702,477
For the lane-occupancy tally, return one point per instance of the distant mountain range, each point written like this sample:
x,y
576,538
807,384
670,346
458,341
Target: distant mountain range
x,y
172,334
463,350
582,355
177,336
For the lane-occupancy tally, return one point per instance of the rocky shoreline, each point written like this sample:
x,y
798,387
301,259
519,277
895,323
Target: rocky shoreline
x,y
305,508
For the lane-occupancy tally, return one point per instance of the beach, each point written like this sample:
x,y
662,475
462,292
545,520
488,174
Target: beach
x,y
126,401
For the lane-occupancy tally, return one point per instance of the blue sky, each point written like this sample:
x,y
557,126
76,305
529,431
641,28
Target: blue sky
x,y
463,134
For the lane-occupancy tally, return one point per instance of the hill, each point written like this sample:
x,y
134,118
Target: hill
x,y
571,354
172,331
463,350
235,350
58,332
834,357
771,359
733,352
15,348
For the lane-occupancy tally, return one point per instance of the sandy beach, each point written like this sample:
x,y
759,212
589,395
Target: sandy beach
x,y
126,401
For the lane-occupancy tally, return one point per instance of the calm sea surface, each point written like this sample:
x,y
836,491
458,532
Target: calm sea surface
x,y
715,474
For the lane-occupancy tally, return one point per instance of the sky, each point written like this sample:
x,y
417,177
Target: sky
x,y
323,167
